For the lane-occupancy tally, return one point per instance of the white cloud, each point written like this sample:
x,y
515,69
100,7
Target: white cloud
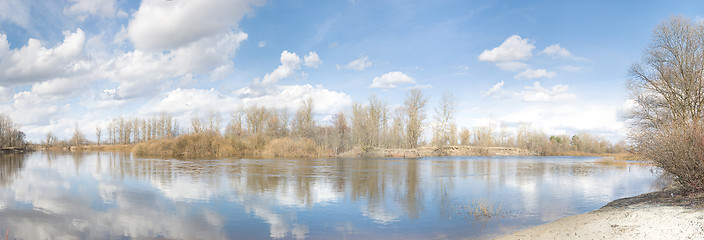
x,y
358,64
161,25
103,8
28,108
187,101
140,73
537,93
537,73
261,44
35,63
15,11
391,80
512,49
570,118
312,60
290,62
557,51
60,87
325,101
496,90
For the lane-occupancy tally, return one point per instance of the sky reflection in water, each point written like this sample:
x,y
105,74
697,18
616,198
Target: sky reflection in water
x,y
114,195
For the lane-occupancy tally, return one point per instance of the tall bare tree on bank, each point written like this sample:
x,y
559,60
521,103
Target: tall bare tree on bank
x,y
341,133
77,138
667,87
303,123
445,129
98,131
415,114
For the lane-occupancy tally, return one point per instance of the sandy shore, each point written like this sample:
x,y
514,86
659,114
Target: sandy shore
x,y
666,214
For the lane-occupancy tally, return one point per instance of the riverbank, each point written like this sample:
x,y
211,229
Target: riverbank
x,y
667,214
435,152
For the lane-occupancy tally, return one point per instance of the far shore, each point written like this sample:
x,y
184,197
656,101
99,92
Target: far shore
x,y
425,151
667,214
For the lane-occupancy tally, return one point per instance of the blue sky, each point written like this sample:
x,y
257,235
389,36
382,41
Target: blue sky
x,y
558,66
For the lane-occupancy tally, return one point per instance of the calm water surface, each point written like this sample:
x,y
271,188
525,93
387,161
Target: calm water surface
x,y
48,195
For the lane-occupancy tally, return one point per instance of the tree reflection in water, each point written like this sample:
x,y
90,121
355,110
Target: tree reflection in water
x,y
113,195
10,166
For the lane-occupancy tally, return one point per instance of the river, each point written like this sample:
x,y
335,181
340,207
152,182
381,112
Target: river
x,y
110,195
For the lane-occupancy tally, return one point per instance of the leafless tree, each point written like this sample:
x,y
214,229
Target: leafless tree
x,y
444,119
667,87
98,131
414,105
303,123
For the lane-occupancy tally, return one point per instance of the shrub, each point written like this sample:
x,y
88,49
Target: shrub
x,y
287,147
679,150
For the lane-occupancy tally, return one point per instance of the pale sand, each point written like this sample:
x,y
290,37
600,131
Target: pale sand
x,y
649,216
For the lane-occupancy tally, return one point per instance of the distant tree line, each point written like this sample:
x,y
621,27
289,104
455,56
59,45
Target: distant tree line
x,y
269,131
261,130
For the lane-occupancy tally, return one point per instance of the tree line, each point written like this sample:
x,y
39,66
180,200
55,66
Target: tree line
x,y
258,129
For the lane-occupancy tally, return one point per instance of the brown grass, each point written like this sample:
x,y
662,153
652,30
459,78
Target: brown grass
x,y
481,209
195,145
208,145
621,160
287,147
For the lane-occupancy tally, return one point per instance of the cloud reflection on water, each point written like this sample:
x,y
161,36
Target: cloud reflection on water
x,y
112,195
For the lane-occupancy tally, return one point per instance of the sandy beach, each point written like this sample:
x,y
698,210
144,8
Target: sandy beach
x,y
668,214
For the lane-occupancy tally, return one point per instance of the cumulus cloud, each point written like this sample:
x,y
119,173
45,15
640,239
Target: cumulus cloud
x,y
556,51
28,108
161,25
35,63
103,8
391,80
496,90
290,62
537,73
312,60
140,73
60,87
358,64
512,49
182,101
537,93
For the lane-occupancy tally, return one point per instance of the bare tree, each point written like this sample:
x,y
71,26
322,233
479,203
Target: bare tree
x,y
464,136
303,124
667,87
10,135
196,125
77,138
214,120
98,131
415,114
444,120
235,129
339,123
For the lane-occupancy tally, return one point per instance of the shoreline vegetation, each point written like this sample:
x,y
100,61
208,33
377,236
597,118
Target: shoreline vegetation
x,y
367,130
